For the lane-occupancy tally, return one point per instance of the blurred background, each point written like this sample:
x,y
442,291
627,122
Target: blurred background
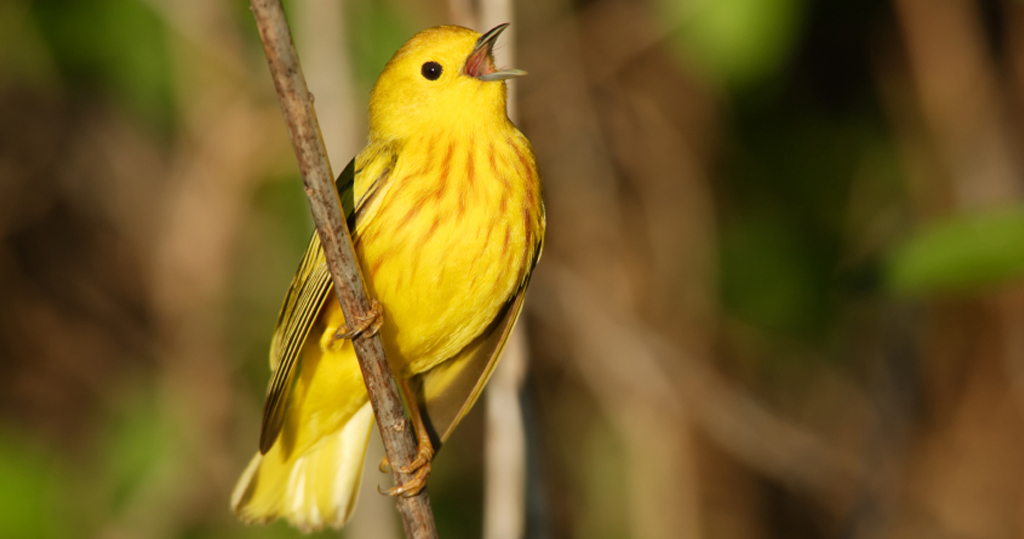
x,y
781,294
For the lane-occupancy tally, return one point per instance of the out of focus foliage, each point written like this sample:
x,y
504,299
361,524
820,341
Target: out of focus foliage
x,y
963,254
740,41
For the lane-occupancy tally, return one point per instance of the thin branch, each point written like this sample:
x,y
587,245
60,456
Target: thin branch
x,y
325,205
505,449
505,445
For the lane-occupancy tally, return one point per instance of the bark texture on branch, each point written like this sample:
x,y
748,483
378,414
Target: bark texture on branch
x,y
325,205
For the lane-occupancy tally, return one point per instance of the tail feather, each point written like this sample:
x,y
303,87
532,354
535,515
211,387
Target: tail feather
x,y
313,489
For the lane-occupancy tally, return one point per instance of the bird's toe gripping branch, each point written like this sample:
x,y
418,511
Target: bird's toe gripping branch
x,y
420,466
413,486
371,322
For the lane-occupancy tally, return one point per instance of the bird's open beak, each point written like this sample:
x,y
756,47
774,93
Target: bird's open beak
x,y
479,63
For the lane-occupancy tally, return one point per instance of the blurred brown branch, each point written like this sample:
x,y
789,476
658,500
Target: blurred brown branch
x,y
297,106
626,362
945,96
505,451
201,193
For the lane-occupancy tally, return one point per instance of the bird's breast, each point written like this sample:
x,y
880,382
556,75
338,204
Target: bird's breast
x,y
451,242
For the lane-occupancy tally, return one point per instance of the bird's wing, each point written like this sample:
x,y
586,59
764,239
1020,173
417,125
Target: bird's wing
x,y
311,286
450,389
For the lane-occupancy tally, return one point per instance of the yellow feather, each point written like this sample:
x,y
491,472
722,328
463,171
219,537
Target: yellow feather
x,y
448,220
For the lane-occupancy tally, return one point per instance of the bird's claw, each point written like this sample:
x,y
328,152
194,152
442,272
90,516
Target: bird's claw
x,y
372,322
424,454
420,466
411,487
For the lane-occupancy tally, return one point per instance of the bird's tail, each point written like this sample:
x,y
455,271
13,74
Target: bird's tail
x,y
312,489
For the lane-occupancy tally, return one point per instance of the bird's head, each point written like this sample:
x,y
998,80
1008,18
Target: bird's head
x,y
442,78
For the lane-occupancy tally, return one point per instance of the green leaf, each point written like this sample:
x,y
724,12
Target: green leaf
x,y
963,254
739,41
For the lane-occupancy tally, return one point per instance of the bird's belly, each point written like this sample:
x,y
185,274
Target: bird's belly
x,y
442,274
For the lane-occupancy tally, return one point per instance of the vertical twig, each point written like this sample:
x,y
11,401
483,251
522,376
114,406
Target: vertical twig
x,y
505,451
462,13
321,29
325,205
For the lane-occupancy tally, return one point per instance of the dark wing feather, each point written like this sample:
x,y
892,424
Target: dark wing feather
x,y
306,295
309,289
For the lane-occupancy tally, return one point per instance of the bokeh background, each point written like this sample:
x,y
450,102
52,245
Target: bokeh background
x,y
781,294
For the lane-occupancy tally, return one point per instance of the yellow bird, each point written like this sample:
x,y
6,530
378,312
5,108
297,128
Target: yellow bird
x,y
447,219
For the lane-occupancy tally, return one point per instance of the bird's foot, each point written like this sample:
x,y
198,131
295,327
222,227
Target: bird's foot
x,y
372,322
424,454
411,487
420,466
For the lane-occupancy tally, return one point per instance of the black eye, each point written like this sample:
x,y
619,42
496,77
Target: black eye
x,y
431,70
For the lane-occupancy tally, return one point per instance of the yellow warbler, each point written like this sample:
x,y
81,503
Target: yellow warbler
x,y
444,203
